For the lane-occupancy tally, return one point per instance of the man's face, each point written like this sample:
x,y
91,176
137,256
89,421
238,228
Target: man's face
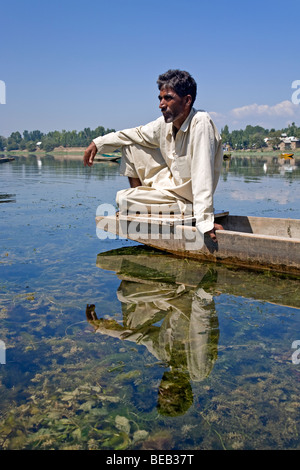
x,y
174,107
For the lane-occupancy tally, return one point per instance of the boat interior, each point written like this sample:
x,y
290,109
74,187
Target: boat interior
x,y
286,228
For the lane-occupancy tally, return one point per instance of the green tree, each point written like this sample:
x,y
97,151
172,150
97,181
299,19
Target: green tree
x,y
3,142
15,137
31,146
256,141
26,136
22,145
275,141
225,134
273,133
12,144
48,144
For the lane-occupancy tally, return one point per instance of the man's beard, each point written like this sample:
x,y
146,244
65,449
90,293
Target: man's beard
x,y
168,117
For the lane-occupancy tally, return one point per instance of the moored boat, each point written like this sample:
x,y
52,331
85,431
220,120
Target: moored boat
x,y
253,242
6,159
107,158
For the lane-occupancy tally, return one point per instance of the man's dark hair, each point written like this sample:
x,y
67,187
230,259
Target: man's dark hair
x,y
180,81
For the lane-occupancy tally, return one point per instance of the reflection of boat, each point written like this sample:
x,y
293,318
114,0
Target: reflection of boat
x,y
287,168
107,158
252,242
286,155
141,262
6,159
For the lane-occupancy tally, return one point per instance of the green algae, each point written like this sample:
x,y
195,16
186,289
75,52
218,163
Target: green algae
x,y
94,391
105,354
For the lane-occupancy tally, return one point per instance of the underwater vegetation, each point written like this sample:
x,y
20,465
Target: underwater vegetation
x,y
133,349
176,366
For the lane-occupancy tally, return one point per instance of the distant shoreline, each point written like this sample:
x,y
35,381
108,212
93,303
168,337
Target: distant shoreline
x,y
59,151
78,152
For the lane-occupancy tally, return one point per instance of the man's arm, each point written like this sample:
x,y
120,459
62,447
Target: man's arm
x,y
205,172
147,136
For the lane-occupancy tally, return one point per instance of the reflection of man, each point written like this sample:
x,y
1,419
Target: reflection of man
x,y
173,162
178,326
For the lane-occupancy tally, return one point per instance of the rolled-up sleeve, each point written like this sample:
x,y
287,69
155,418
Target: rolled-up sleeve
x,y
206,162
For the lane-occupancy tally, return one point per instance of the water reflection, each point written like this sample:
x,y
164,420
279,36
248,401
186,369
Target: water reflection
x,y
168,306
175,321
4,197
63,387
259,166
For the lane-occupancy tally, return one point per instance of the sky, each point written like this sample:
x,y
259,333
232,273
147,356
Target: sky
x,y
68,65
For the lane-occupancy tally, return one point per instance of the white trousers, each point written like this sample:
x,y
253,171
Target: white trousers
x,y
158,192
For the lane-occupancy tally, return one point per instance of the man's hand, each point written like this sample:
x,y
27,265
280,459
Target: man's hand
x,y
212,233
89,154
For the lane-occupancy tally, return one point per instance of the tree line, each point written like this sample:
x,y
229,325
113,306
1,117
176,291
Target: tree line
x,y
29,140
252,137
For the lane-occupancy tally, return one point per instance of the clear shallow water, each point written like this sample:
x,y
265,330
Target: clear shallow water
x,y
129,349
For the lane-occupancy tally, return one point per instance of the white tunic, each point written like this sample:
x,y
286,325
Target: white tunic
x,y
194,157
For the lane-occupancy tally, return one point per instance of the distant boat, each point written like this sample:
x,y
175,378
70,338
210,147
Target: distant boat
x,y
107,158
6,159
227,156
286,155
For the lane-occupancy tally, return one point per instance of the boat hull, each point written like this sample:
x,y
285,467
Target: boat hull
x,y
104,158
6,159
252,242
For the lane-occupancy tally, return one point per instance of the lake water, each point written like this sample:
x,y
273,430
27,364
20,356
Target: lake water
x,y
107,345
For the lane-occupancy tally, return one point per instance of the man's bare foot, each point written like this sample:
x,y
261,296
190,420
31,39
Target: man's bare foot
x,y
212,233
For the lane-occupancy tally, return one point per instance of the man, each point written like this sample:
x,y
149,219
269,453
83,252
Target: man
x,y
174,160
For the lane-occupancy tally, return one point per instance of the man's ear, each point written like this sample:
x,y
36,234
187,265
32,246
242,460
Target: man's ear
x,y
189,100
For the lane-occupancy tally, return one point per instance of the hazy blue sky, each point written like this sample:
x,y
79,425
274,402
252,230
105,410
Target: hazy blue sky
x,y
76,64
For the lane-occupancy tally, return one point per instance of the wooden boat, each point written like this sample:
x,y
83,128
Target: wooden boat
x,y
6,159
107,158
252,242
226,156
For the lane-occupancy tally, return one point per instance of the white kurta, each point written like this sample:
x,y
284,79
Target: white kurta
x,y
191,160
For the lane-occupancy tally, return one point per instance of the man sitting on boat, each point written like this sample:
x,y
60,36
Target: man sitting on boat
x,y
172,163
